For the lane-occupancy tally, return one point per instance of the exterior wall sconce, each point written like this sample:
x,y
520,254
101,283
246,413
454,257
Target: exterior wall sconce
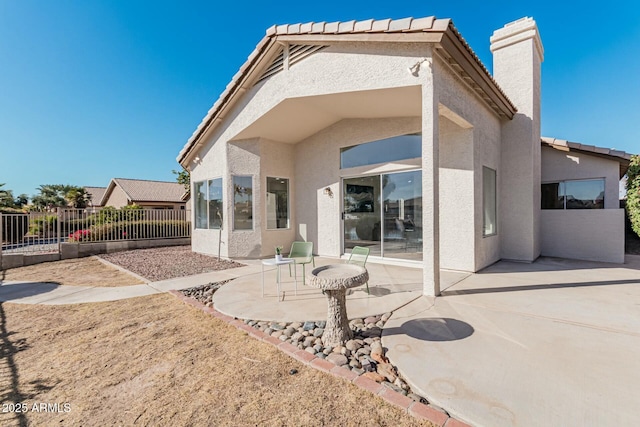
x,y
328,192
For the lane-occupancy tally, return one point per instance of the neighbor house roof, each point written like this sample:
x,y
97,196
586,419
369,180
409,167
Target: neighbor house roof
x,y
451,46
96,194
608,153
140,190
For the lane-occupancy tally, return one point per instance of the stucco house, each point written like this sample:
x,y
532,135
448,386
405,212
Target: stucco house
x,y
145,193
392,134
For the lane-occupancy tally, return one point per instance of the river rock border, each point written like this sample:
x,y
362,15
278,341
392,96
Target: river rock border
x,y
360,361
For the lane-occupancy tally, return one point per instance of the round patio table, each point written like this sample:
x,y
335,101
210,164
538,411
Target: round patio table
x,y
334,280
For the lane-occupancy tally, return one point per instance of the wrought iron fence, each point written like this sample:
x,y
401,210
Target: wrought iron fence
x,y
43,232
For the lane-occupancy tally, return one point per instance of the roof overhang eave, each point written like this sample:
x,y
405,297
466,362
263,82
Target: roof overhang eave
x,y
623,158
447,39
239,83
470,69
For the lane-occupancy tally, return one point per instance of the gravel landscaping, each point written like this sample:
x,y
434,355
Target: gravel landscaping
x,y
168,263
364,354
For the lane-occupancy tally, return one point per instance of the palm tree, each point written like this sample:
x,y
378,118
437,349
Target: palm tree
x,y
51,196
6,198
77,197
57,195
21,200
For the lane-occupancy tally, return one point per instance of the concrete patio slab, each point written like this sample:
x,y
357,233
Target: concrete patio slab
x,y
554,342
390,287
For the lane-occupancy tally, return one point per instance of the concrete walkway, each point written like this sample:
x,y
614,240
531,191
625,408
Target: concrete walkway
x,y
555,342
53,294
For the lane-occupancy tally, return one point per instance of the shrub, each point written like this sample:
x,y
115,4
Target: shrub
x,y
110,214
131,213
6,210
80,236
107,214
145,229
44,225
633,193
73,225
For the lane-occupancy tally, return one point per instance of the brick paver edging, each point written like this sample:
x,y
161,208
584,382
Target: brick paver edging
x,y
416,409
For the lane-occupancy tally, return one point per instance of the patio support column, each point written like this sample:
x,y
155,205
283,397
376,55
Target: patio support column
x,y
430,181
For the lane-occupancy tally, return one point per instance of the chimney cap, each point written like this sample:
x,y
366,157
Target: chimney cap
x,y
515,32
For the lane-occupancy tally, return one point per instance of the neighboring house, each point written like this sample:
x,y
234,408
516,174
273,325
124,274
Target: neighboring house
x,y
96,194
392,134
147,194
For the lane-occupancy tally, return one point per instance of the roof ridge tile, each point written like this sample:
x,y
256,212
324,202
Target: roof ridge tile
x,y
363,26
422,24
293,29
318,27
380,25
331,27
346,27
400,24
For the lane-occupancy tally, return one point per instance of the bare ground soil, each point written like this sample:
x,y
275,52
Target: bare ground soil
x,y
155,361
74,272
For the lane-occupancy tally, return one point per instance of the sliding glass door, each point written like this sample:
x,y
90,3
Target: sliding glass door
x,y
361,213
402,215
384,213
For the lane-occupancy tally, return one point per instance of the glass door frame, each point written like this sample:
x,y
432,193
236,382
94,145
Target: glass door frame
x,y
381,201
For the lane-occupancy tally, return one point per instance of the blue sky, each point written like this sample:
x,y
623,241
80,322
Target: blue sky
x,y
91,90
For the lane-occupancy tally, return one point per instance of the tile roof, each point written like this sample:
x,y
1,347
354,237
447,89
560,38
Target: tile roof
x,y
617,155
140,190
610,152
369,26
96,194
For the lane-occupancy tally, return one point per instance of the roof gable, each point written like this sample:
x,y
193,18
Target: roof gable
x,y
140,190
451,47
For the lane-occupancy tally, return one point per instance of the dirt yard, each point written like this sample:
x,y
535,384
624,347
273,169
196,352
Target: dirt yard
x,y
155,361
74,272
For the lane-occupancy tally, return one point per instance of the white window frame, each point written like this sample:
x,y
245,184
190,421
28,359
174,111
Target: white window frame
x,y
564,197
207,200
266,186
494,232
253,206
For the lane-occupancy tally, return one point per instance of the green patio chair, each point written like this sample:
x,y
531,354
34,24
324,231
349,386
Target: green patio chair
x,y
359,257
302,253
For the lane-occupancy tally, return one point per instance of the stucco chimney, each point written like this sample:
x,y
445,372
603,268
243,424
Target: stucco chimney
x,y
517,55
